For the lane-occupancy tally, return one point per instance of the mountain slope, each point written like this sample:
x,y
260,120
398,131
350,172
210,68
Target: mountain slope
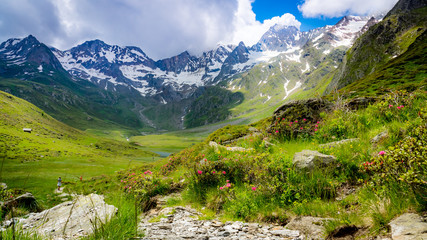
x,y
30,70
382,43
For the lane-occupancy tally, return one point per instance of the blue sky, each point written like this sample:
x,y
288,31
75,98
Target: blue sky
x,y
266,9
165,28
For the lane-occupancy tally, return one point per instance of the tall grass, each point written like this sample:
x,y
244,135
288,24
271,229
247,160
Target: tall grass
x,y
123,224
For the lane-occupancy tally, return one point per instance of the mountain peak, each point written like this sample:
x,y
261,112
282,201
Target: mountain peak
x,y
406,6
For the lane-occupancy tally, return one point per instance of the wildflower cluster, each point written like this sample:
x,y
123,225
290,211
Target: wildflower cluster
x,y
145,184
293,128
405,162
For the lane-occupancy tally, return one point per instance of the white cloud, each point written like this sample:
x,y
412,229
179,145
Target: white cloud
x,y
249,30
161,28
334,8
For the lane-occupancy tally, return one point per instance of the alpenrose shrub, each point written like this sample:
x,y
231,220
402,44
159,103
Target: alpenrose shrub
x,y
405,162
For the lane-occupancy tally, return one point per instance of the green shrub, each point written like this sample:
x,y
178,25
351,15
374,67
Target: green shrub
x,y
405,162
227,133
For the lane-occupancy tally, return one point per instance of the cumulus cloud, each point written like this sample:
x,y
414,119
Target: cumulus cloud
x,y
333,8
249,30
161,28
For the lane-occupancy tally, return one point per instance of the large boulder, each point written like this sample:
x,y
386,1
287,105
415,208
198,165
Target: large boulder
x,y
409,226
308,160
71,219
308,108
26,200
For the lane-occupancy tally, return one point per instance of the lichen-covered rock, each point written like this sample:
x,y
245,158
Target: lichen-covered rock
x,y
409,226
308,160
71,219
311,227
308,108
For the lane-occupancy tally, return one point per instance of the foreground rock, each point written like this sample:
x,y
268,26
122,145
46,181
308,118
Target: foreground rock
x,y
311,227
308,160
26,200
409,226
70,220
182,223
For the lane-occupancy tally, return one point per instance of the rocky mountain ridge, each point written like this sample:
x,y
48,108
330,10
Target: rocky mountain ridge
x,y
173,82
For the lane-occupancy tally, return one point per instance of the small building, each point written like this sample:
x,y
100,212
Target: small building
x,y
28,130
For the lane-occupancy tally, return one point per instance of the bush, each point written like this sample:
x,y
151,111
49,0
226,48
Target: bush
x,y
405,162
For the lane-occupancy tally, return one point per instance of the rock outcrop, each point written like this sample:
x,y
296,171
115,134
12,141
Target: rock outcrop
x,y
71,219
409,226
308,160
26,200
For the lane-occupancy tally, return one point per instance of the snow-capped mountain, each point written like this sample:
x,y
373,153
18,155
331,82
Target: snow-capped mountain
x,y
17,51
109,66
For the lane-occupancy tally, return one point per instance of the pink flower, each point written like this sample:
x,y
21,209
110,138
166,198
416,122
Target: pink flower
x,y
277,131
228,181
228,185
398,107
296,121
253,188
199,172
315,130
317,125
381,153
304,119
318,122
223,172
401,106
389,106
213,172
221,188
300,128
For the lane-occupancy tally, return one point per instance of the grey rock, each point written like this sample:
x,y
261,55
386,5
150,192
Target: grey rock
x,y
286,233
408,226
381,136
311,227
308,160
184,224
70,220
337,143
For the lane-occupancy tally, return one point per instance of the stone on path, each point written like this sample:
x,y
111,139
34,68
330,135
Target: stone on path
x,y
409,226
182,223
311,227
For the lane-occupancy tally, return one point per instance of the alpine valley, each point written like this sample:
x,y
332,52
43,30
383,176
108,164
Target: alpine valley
x,y
304,135
95,84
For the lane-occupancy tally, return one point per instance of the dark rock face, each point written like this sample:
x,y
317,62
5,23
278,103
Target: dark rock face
x,y
406,6
359,103
239,55
26,200
28,50
309,109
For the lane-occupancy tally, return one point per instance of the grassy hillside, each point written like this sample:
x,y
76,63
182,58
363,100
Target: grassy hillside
x,y
381,44
34,161
262,184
